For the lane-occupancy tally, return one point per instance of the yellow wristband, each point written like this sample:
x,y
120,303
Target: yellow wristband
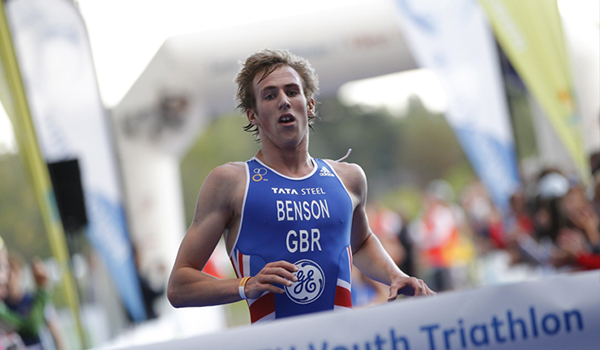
x,y
241,287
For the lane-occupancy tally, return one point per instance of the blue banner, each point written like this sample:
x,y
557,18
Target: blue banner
x,y
454,40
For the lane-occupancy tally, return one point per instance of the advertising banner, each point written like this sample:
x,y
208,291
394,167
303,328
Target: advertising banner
x,y
530,32
70,122
14,100
454,40
555,313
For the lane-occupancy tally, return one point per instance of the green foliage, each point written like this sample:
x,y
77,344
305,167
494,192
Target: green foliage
x,y
394,151
459,175
432,147
374,137
407,200
223,141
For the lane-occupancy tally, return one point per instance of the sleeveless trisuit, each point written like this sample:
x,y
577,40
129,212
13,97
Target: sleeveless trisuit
x,y
305,221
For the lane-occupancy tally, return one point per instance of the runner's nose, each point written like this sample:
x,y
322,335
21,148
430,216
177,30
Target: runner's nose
x,y
284,103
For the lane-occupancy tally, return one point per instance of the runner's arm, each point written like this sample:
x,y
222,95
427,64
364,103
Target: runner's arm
x,y
188,285
369,256
217,207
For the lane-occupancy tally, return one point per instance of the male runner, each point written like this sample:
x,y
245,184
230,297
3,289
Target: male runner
x,y
293,225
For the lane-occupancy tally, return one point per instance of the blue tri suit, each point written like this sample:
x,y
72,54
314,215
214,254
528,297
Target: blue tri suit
x,y
305,221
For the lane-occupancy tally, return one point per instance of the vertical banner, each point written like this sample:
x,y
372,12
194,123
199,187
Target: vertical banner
x,y
14,100
453,39
530,32
54,54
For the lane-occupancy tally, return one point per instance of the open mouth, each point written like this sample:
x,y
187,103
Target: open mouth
x,y
286,118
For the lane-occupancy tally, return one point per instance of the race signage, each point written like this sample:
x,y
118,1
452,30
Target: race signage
x,y
559,312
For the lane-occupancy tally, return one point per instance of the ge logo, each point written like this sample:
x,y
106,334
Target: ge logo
x,y
310,285
258,174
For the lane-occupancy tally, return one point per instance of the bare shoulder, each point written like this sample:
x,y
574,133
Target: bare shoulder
x,y
225,181
233,171
351,174
345,168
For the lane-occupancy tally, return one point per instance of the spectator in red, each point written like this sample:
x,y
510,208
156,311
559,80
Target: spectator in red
x,y
579,238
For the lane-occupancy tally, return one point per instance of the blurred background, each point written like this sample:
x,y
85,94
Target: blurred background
x,y
476,122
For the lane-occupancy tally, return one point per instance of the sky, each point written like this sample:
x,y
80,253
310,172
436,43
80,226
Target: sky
x,y
125,35
137,29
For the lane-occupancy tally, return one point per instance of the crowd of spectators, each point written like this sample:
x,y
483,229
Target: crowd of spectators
x,y
462,240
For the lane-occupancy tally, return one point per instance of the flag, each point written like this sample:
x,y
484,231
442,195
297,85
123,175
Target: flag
x,y
454,40
530,32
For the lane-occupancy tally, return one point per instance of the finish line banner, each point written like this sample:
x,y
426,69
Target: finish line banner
x,y
559,312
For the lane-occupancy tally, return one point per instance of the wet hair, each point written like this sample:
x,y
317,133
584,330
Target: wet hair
x,y
265,62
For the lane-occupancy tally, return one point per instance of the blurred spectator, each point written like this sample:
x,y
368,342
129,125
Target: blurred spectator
x,y
407,264
520,218
439,232
532,237
477,207
367,292
565,222
152,291
483,218
575,251
23,303
580,214
385,224
552,225
496,228
595,192
520,227
579,238
9,338
594,188
552,185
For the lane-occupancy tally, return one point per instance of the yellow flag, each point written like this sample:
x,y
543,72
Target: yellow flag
x,y
530,32
13,97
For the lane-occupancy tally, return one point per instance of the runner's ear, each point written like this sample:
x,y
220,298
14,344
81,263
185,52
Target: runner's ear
x,y
252,117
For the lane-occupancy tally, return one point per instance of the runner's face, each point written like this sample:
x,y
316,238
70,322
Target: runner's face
x,y
281,111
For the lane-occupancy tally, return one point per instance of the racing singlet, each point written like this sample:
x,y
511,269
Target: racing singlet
x,y
305,221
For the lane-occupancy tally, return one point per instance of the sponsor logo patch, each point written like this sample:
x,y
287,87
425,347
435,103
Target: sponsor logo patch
x,y
258,174
310,285
325,172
